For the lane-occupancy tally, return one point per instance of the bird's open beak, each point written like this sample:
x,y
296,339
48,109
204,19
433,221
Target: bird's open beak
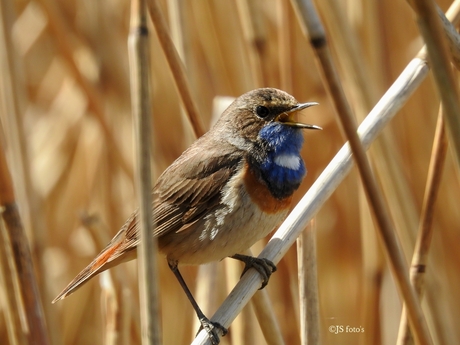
x,y
287,117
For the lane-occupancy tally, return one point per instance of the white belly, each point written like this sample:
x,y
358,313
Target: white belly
x,y
231,229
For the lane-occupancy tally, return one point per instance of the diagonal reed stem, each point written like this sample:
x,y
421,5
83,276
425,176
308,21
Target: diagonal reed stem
x,y
139,58
176,66
390,103
317,35
430,27
453,37
320,191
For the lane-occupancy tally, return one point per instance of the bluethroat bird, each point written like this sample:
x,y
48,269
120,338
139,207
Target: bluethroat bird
x,y
228,190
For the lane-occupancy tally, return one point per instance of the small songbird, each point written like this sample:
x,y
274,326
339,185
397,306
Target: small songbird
x,y
228,190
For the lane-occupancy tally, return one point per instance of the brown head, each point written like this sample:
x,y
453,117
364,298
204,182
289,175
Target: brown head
x,y
243,120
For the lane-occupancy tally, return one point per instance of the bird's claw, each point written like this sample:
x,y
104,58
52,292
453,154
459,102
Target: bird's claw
x,y
262,265
212,329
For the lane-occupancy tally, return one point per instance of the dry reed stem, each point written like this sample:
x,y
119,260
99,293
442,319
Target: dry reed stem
x,y
214,47
139,58
124,330
27,300
176,66
320,191
110,308
266,317
363,83
176,19
387,39
386,229
262,307
114,289
12,107
246,16
232,275
23,265
432,31
387,159
14,127
116,308
16,101
425,232
179,37
373,273
11,301
285,51
453,38
308,287
61,34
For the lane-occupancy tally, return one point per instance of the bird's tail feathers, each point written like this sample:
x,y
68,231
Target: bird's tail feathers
x,y
102,262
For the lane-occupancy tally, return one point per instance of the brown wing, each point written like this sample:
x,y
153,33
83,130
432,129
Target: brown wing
x,y
183,193
188,188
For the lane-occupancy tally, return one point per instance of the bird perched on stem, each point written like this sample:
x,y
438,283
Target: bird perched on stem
x,y
228,190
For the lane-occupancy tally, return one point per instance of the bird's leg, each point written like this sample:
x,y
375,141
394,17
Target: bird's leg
x,y
208,325
262,265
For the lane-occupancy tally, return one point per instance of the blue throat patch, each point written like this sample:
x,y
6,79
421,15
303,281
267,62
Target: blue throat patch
x,y
282,141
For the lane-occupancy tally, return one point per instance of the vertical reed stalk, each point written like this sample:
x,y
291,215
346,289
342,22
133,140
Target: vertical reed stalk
x,y
139,58
23,264
27,302
266,317
11,307
308,287
373,272
285,51
425,232
246,10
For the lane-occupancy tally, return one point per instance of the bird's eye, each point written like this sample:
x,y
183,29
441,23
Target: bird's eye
x,y
262,111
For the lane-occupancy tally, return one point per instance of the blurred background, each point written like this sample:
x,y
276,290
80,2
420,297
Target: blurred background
x,y
70,151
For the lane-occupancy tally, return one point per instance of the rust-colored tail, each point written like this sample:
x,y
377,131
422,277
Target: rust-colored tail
x,y
120,249
105,260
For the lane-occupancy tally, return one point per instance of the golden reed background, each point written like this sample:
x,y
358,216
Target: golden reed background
x,y
71,71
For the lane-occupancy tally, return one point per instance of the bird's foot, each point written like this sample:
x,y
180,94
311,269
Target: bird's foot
x,y
212,329
262,265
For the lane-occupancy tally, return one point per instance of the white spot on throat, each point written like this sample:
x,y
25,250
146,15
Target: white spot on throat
x,y
289,161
